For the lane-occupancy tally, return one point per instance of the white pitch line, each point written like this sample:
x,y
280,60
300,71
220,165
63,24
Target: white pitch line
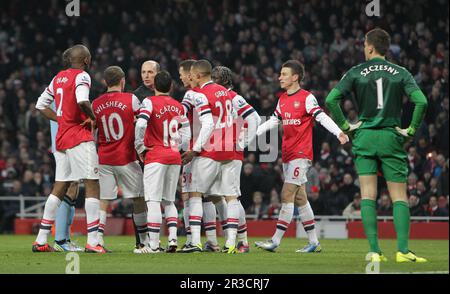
x,y
427,272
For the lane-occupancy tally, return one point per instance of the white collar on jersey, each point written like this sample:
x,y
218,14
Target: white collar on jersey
x,y
207,83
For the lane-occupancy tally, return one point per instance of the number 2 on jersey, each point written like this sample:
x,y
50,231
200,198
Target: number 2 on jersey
x,y
60,92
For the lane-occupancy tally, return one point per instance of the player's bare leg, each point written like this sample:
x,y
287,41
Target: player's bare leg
x,y
402,222
369,214
284,219
92,207
209,223
50,209
307,218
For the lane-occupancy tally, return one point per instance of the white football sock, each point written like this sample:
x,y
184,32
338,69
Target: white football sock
x,y
307,218
140,219
92,208
186,222
195,219
221,207
154,220
101,227
284,219
242,229
171,214
209,221
51,207
232,222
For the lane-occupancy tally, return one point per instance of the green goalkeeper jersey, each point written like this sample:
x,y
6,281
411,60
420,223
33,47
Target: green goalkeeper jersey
x,y
378,87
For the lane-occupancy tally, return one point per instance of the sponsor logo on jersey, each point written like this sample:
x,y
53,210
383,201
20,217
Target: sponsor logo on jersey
x,y
292,122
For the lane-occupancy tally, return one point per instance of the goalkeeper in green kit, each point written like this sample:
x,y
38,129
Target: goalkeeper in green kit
x,y
379,87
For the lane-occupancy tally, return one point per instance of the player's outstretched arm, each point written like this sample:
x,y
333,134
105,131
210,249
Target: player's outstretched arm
x,y
271,123
313,108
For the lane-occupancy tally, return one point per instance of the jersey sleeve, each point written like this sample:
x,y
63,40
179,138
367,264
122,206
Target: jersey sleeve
x,y
82,86
201,104
47,98
146,109
409,84
277,112
188,102
345,85
312,106
136,104
242,107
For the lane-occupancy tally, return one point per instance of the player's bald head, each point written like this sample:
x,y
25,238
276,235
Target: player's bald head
x,y
79,55
202,67
66,57
151,64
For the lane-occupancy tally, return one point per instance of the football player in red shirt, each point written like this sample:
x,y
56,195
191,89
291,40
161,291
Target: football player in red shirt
x,y
212,154
76,153
297,110
115,113
161,130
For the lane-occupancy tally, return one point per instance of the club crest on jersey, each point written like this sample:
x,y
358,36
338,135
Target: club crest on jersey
x,y
297,104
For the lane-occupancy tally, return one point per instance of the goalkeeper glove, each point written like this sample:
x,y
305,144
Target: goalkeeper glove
x,y
349,128
407,134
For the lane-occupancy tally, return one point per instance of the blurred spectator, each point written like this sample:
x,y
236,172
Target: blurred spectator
x,y
317,203
385,206
258,208
275,204
434,209
415,207
354,208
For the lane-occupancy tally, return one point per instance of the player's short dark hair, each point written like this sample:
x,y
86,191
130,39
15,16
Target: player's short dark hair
x,y
163,81
186,65
380,40
296,67
203,66
113,75
222,75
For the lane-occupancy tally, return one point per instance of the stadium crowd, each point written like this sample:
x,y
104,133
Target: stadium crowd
x,y
253,38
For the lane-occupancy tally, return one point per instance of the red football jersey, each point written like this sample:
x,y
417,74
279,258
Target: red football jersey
x,y
165,115
213,98
70,117
297,111
115,113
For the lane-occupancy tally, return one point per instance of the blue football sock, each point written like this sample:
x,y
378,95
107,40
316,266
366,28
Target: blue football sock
x,y
62,219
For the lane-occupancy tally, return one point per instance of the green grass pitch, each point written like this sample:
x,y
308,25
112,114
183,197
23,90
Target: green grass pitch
x,y
338,256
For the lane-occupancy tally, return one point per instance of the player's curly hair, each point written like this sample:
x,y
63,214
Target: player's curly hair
x,y
222,75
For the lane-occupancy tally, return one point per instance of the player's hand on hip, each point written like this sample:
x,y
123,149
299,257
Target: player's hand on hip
x,y
403,132
343,138
90,123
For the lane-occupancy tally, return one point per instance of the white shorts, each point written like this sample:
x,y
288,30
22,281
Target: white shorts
x,y
126,177
160,181
77,163
213,177
234,177
186,177
295,171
